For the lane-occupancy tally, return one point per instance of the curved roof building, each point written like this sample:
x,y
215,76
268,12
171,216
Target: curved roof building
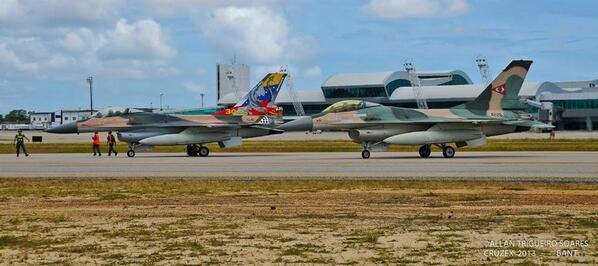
x,y
383,84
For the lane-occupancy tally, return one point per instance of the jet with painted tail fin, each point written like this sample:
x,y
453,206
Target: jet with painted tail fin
x,y
253,116
496,111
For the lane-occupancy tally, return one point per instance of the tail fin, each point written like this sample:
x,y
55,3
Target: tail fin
x,y
260,99
503,92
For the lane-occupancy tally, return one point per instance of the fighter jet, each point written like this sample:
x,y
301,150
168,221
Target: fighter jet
x,y
496,111
253,116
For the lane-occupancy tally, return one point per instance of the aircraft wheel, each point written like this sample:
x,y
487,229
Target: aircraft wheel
x,y
192,150
425,151
203,151
448,152
365,154
131,153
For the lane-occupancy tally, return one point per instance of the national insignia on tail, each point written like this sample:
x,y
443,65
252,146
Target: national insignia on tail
x,y
500,89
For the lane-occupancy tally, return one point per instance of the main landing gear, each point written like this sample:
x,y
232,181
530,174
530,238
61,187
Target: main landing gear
x,y
425,151
197,150
447,150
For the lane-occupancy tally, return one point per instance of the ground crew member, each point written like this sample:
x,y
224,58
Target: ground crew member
x,y
111,142
20,142
96,144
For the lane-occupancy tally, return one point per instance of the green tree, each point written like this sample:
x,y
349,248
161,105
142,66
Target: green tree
x,y
1,118
17,116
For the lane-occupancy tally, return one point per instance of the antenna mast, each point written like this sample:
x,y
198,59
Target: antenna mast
x,y
415,84
294,98
484,69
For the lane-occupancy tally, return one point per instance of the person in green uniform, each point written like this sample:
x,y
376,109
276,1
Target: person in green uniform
x,y
20,142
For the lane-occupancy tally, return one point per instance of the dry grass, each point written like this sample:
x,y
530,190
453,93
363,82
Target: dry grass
x,y
159,221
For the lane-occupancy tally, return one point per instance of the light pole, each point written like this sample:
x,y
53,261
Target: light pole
x,y
202,95
90,81
161,95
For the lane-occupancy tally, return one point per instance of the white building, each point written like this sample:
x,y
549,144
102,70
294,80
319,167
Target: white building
x,y
67,116
42,120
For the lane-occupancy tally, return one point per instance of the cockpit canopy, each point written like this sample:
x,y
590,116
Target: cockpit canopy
x,y
349,105
115,111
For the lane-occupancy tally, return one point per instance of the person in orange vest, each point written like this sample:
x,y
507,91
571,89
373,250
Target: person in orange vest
x,y
96,144
111,142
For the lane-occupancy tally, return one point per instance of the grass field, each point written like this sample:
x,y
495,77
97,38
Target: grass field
x,y
169,221
328,146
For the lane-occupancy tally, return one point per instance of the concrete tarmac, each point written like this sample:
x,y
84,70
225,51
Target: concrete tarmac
x,y
552,165
8,136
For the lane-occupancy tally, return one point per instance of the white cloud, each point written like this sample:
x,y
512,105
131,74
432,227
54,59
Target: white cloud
x,y
256,34
127,50
139,40
169,7
303,50
399,9
9,10
81,40
51,13
312,72
9,58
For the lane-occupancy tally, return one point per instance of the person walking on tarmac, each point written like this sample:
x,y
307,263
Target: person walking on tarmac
x,y
20,142
111,142
96,144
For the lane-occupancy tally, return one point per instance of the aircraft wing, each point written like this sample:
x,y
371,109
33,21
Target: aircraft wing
x,y
422,121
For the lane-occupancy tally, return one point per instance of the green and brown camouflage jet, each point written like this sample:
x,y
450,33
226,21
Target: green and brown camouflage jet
x,y
253,116
496,111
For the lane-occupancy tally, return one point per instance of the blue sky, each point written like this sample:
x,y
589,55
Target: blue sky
x,y
138,49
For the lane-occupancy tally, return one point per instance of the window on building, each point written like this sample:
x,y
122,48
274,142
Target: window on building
x,y
395,84
74,118
354,92
66,118
457,80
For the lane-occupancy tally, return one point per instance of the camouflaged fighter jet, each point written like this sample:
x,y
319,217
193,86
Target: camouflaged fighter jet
x,y
496,111
253,116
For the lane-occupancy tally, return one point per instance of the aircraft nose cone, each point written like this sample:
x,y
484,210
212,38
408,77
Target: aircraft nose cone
x,y
63,129
304,123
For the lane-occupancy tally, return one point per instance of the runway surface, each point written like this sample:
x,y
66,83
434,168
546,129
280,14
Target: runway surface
x,y
501,165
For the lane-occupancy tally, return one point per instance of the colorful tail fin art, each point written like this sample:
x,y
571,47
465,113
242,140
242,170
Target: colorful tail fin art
x,y
503,92
260,99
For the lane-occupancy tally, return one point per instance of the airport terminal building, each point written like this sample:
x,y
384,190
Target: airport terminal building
x,y
575,103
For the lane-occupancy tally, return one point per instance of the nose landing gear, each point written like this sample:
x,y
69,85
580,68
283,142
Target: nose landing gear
x,y
131,151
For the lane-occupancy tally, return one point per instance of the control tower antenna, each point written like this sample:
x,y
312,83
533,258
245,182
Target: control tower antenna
x,y
415,84
484,69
